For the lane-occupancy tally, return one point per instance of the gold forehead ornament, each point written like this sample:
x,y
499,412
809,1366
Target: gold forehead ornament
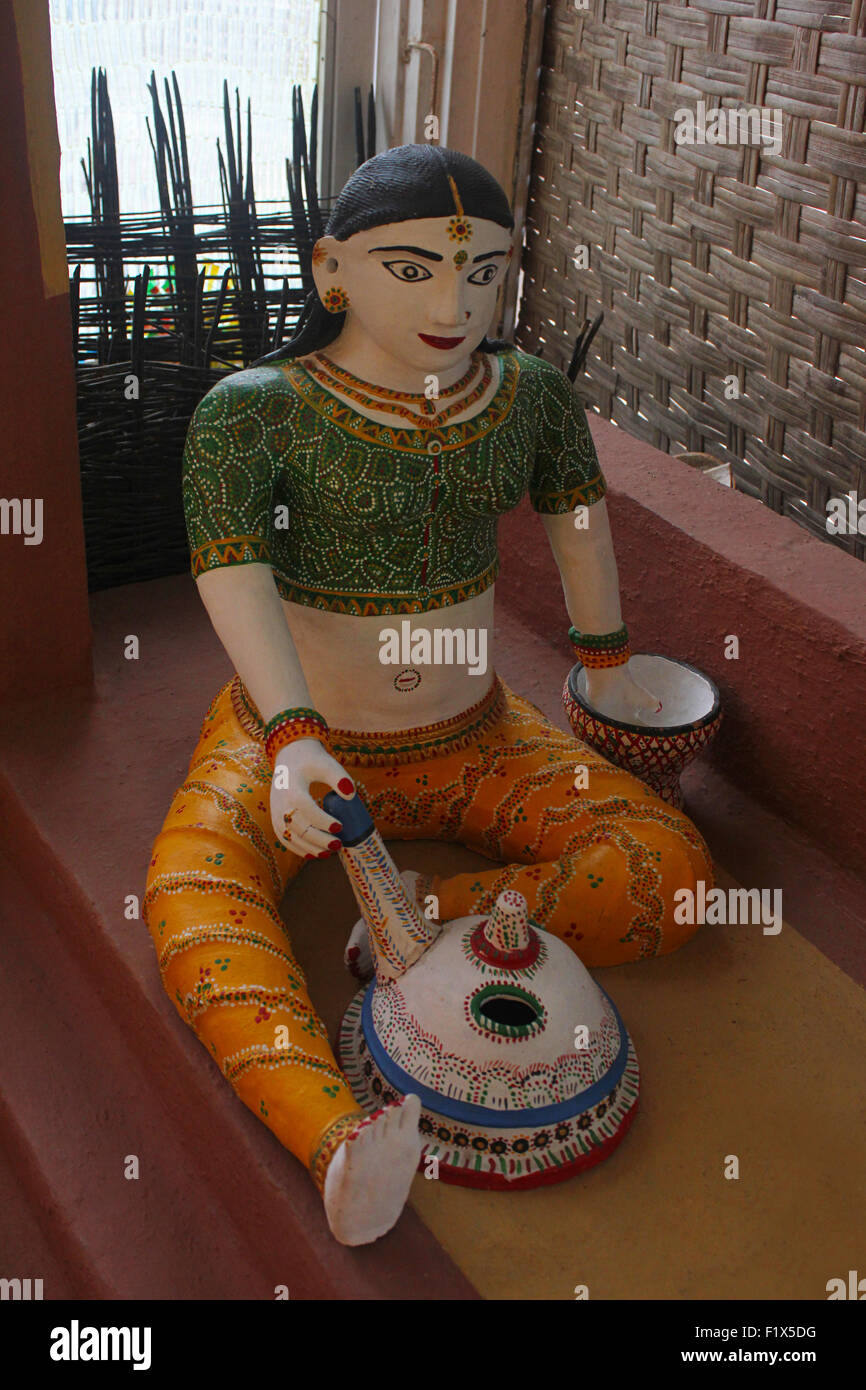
x,y
459,228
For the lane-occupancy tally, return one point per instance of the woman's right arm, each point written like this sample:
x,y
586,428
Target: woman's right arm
x,y
229,469
247,616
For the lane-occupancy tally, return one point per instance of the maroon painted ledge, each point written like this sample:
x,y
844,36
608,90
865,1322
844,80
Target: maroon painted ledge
x,y
84,786
699,562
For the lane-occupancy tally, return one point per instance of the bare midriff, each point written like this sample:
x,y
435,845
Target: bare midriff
x,y
354,689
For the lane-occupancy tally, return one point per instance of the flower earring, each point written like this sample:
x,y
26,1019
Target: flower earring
x,y
335,300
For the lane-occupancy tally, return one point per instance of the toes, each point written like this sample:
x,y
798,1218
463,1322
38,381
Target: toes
x,y
409,1112
353,962
357,956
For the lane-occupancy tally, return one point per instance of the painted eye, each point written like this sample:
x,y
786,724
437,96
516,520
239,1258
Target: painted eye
x,y
407,271
483,276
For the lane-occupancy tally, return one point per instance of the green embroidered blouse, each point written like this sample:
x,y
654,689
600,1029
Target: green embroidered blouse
x,y
359,517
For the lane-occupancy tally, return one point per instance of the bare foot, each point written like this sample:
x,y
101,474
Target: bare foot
x,y
369,1177
358,956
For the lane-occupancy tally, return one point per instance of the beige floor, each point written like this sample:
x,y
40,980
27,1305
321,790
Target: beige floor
x,y
749,1045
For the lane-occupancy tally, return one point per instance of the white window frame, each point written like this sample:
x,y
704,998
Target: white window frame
x,y
489,53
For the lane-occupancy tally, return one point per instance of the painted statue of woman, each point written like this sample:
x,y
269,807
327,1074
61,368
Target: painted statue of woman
x,y
344,487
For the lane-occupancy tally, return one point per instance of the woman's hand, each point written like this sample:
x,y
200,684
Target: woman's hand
x,y
613,693
299,821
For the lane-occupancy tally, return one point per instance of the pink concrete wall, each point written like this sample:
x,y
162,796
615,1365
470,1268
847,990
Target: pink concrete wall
x,y
44,623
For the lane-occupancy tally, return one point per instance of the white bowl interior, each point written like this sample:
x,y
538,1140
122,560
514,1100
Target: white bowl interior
x,y
686,695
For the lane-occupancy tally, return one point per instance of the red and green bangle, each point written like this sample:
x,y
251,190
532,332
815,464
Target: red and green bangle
x,y
292,724
596,650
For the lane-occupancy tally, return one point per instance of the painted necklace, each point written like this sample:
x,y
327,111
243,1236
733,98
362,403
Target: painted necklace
x,y
388,392
386,399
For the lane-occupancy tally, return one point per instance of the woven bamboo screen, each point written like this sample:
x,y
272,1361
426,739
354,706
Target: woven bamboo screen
x,y
719,261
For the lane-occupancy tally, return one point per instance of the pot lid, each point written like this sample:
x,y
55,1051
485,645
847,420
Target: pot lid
x,y
497,1015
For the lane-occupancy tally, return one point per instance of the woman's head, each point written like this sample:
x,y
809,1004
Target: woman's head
x,y
413,182
418,241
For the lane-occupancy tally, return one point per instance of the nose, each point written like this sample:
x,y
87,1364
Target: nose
x,y
449,309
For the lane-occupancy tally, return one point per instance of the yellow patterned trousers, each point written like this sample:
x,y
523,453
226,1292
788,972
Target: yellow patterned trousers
x,y
598,866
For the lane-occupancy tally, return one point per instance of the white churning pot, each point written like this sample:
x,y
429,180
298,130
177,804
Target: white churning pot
x,y
524,1068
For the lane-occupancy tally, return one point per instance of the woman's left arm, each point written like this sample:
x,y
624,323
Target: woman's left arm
x,y
587,567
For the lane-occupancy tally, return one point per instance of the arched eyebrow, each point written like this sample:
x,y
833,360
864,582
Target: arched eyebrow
x,y
434,255
415,250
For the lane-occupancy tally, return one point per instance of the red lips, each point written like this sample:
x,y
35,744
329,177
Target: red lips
x,y
443,343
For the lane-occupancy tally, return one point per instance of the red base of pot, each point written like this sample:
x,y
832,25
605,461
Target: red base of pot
x,y
497,1182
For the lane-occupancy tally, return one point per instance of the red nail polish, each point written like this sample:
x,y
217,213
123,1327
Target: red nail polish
x,y
344,785
335,828
335,845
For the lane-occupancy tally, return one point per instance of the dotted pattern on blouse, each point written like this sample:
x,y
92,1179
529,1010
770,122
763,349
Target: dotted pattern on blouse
x,y
359,517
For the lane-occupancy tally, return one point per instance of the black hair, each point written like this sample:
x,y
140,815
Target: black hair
x,y
401,184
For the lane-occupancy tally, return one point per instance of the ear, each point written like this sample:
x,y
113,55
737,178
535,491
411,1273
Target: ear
x,y
326,263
